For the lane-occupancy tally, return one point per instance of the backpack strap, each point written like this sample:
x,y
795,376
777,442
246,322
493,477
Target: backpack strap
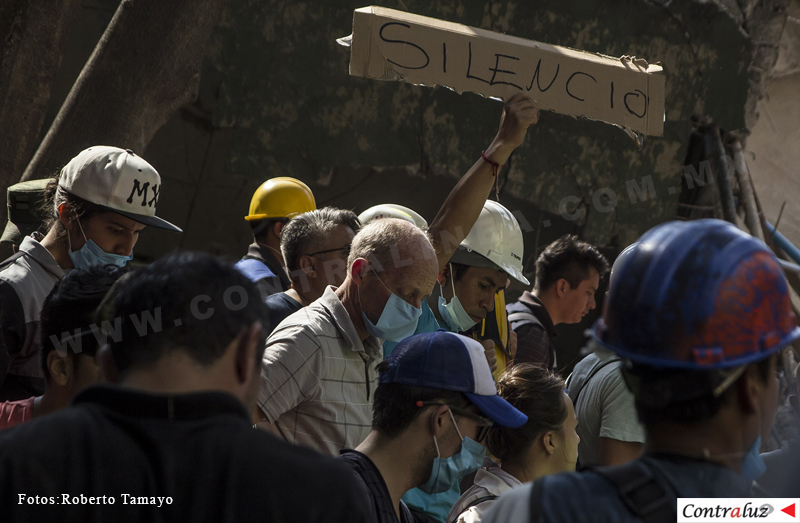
x,y
525,317
591,375
535,508
474,503
644,492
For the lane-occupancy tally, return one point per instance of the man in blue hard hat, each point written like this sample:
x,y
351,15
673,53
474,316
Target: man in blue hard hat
x,y
699,314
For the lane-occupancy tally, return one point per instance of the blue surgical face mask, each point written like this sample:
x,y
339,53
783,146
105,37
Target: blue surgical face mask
x,y
398,319
753,464
447,472
91,254
453,313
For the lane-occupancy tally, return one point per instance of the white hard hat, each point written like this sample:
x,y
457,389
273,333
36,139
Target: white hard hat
x,y
392,210
497,238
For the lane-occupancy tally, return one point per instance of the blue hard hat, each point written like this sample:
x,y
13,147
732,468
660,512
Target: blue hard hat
x,y
697,295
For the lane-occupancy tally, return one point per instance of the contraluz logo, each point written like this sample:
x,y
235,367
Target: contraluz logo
x,y
740,510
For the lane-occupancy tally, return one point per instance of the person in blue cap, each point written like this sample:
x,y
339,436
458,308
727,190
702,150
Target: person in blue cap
x,y
435,403
699,314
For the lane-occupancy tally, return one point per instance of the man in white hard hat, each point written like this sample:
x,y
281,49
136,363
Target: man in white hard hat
x,y
477,270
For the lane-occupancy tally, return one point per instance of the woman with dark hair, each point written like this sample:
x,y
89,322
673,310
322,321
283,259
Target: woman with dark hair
x,y
97,205
546,444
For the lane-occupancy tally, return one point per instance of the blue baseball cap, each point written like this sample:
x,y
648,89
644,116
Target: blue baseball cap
x,y
447,361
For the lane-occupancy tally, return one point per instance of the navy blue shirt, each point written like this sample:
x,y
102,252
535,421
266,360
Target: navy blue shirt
x,y
279,307
572,497
374,485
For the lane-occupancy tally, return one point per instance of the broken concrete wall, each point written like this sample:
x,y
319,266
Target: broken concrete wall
x,y
276,100
774,157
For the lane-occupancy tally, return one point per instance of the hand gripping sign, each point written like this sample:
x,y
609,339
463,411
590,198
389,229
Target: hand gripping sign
x,y
393,45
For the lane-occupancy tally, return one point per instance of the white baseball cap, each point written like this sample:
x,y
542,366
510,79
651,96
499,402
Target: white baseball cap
x,y
117,180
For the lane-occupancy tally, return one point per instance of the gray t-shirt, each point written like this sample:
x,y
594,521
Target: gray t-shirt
x,y
605,407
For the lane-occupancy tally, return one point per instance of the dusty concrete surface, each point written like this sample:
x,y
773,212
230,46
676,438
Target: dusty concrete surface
x,y
775,159
774,144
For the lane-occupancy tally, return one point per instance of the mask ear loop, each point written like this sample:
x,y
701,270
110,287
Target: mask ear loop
x,y
435,443
77,219
453,283
455,424
360,306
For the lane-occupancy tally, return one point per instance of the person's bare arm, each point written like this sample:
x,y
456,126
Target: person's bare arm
x,y
463,205
616,452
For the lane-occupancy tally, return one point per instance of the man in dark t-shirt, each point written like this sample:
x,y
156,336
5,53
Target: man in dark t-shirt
x,y
173,439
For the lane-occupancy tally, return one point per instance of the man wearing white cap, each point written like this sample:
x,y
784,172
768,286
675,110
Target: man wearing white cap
x,y
98,204
436,400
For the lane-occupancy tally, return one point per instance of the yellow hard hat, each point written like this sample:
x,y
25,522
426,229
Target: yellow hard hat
x,y
281,197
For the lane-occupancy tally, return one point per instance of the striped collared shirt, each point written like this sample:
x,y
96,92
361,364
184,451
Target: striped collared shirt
x,y
318,378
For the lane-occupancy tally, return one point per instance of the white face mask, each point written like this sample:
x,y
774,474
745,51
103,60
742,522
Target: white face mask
x,y
453,313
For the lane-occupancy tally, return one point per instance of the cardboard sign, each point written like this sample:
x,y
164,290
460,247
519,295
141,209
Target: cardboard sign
x,y
393,45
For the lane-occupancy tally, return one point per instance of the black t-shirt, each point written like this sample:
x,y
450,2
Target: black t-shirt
x,y
279,307
192,457
535,341
372,481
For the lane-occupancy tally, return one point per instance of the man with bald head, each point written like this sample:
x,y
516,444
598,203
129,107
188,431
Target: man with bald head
x,y
318,373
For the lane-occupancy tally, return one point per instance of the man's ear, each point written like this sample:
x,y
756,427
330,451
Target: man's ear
x,y
307,266
562,286
359,270
439,420
749,388
443,276
58,367
247,345
277,228
108,367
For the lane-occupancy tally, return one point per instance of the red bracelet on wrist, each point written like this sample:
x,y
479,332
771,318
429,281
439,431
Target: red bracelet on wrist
x,y
490,161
